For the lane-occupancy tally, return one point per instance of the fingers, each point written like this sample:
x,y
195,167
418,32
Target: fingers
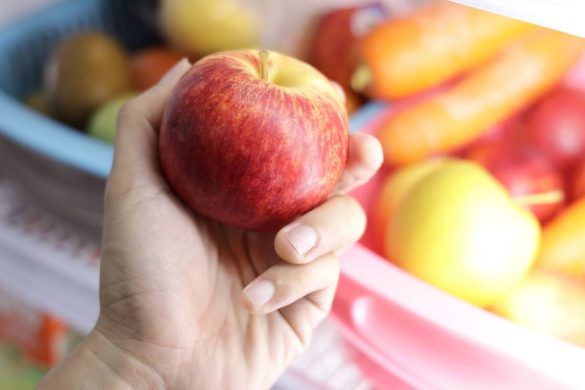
x,y
331,227
284,284
364,159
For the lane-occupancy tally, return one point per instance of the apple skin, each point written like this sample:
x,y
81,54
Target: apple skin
x,y
578,181
523,170
248,152
557,126
548,302
395,189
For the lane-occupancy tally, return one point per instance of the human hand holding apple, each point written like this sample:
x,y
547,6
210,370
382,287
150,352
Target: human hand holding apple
x,y
186,299
253,138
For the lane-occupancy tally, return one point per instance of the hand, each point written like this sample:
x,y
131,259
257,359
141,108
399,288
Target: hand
x,y
187,302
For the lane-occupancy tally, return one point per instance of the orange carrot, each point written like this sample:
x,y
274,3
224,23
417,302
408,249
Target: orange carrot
x,y
510,82
409,55
563,242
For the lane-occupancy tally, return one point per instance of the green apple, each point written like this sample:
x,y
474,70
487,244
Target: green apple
x,y
458,229
102,124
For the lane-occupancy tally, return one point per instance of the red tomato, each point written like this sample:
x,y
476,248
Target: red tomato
x,y
557,126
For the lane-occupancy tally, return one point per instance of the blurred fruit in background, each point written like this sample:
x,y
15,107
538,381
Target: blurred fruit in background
x,y
563,241
85,71
454,118
578,181
102,124
405,56
396,188
459,230
525,173
551,304
42,338
17,372
148,66
202,26
557,126
334,47
38,102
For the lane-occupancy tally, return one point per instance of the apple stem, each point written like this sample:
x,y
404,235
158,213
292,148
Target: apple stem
x,y
361,78
264,64
541,198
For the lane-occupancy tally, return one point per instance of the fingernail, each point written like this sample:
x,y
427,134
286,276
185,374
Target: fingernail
x,y
303,238
260,293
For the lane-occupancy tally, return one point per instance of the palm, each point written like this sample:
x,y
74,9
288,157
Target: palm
x,y
181,290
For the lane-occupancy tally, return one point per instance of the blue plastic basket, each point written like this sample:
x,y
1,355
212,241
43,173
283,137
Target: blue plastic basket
x,y
24,49
56,165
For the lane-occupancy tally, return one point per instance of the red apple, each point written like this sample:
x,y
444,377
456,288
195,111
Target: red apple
x,y
578,181
334,46
150,65
557,126
524,172
253,138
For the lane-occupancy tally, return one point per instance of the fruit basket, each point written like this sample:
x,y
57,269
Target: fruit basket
x,y
57,166
404,333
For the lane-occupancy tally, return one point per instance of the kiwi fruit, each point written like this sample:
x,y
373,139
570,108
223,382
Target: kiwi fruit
x,y
85,71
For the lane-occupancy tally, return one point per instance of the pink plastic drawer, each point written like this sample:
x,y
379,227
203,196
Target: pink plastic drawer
x,y
407,334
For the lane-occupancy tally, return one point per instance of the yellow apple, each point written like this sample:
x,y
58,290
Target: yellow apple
x,y
394,189
207,26
549,303
459,230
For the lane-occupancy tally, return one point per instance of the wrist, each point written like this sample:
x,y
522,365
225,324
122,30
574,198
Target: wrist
x,y
98,363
